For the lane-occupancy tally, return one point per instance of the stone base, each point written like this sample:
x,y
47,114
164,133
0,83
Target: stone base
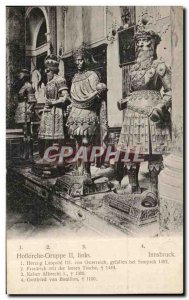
x,y
92,210
171,195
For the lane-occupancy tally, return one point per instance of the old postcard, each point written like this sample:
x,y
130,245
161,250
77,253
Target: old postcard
x,y
94,145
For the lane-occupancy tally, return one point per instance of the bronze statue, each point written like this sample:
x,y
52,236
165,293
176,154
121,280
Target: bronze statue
x,y
26,99
25,110
147,120
52,121
86,99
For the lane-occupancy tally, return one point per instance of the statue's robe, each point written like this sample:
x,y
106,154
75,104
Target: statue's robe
x,y
51,125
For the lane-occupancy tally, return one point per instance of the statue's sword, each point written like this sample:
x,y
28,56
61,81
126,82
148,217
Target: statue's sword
x,y
54,109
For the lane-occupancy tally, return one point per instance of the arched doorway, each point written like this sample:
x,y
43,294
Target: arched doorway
x,y
37,47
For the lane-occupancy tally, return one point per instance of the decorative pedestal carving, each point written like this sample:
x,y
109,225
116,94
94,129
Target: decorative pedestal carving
x,y
130,206
171,195
171,178
75,186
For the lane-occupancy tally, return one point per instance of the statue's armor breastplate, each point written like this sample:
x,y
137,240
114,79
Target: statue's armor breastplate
x,y
144,79
83,118
26,97
138,129
145,85
26,91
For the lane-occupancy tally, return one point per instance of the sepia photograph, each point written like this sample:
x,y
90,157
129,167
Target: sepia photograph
x,y
94,148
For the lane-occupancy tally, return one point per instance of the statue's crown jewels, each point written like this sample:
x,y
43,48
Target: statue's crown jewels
x,y
51,62
144,30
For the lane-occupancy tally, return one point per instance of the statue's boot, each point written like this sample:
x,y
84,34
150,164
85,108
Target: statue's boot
x,y
154,169
132,171
86,173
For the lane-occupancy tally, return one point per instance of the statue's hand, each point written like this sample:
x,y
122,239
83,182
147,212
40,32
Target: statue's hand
x,y
156,114
122,104
101,87
49,103
53,103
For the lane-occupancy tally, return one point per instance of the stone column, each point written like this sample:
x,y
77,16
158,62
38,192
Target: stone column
x,y
15,56
60,13
171,178
52,35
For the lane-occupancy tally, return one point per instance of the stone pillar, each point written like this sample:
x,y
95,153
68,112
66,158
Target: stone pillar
x,y
60,20
171,178
15,56
53,29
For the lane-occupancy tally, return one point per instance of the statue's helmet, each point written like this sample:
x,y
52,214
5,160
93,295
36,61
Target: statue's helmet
x,y
25,72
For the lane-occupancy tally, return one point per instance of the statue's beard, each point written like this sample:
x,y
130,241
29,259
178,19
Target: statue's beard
x,y
143,55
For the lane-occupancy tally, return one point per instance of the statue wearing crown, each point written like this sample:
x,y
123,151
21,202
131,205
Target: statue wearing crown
x,y
87,101
147,124
51,126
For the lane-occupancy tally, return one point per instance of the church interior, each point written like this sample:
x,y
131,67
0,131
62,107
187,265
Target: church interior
x,y
104,197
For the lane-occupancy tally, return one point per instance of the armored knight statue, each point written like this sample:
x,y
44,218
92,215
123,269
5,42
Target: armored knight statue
x,y
26,99
86,100
147,123
25,109
52,121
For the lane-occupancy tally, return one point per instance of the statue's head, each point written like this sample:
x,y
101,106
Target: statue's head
x,y
146,43
146,39
24,75
51,66
80,58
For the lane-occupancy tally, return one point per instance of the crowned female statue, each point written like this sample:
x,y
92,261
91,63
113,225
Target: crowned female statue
x,y
147,122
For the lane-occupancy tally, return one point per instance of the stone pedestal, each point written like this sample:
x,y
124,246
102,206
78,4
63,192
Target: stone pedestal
x,y
171,178
171,195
